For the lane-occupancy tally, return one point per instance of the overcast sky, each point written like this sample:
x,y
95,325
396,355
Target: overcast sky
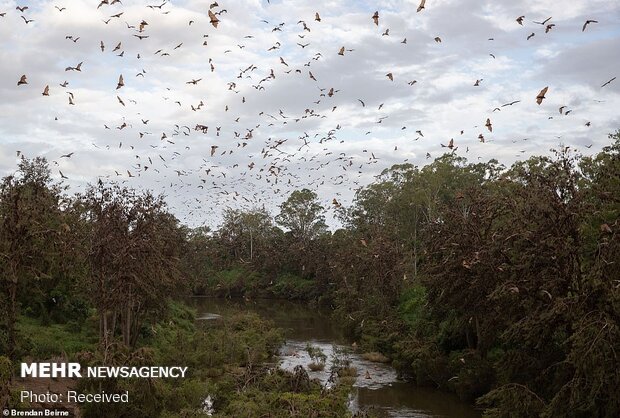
x,y
278,129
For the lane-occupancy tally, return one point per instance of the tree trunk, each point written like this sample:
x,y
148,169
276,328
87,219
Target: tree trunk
x,y
114,320
104,336
251,245
415,252
135,326
480,345
128,342
470,343
126,325
12,317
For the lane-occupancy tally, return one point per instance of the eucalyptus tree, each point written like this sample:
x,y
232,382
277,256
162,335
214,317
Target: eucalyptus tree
x,y
32,238
133,246
246,232
302,215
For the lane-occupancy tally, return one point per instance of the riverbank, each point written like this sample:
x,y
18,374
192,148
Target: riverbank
x,y
376,390
230,361
495,283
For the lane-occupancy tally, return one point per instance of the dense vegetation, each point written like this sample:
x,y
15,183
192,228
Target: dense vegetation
x,y
500,284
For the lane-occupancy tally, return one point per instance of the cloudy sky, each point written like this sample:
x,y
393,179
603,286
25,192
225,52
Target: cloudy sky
x,y
275,128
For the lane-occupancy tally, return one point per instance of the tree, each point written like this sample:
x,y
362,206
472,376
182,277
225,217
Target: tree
x,y
197,262
302,215
246,232
133,247
32,236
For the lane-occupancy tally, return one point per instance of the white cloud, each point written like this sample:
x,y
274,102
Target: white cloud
x,y
291,107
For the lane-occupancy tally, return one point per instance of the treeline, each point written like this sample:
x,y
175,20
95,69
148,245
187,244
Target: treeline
x,y
500,284
99,278
110,249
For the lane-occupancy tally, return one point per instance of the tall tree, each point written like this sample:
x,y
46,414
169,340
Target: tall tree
x,y
302,215
31,235
134,248
246,232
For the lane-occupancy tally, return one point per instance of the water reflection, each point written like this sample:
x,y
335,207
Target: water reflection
x,y
299,320
404,401
376,385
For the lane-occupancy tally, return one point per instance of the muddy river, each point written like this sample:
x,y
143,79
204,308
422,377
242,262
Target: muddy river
x,y
376,385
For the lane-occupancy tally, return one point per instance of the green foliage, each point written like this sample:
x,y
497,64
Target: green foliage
x,y
412,307
33,239
6,371
512,401
473,375
217,356
42,341
197,263
496,283
317,356
240,281
234,282
251,404
290,286
504,280
302,215
134,246
246,234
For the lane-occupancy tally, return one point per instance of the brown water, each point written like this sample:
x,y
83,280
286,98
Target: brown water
x,y
377,384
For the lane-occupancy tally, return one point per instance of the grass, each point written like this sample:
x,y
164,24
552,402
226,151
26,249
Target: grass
x,y
290,286
43,341
347,372
221,355
315,367
238,281
375,357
